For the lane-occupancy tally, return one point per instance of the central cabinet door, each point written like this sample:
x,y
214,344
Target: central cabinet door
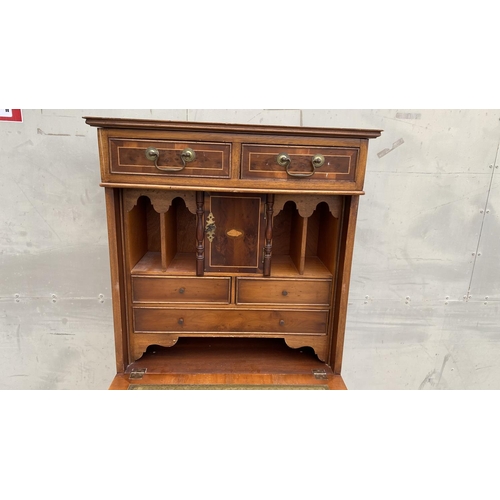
x,y
234,232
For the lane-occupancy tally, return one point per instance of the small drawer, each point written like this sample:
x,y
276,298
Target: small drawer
x,y
180,290
261,162
271,291
250,321
207,159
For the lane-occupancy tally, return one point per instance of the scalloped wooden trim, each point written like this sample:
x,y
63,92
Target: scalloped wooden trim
x,y
160,199
319,344
141,344
306,205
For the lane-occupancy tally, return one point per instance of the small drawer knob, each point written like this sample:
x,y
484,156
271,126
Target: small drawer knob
x,y
182,290
282,322
181,321
284,293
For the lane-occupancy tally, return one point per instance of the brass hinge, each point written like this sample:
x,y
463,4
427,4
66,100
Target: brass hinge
x,y
320,374
137,374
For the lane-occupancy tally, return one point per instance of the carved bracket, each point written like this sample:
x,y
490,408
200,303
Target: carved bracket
x,y
141,344
306,205
160,199
319,344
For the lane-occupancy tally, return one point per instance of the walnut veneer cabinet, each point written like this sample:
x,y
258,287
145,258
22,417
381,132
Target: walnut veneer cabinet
x,y
220,233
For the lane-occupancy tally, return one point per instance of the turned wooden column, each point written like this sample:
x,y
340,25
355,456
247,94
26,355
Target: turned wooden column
x,y
268,247
200,233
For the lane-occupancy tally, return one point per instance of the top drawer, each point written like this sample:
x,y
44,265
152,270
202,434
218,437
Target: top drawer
x,y
207,159
299,162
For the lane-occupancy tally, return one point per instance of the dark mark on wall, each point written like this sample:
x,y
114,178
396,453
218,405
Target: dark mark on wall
x,y
39,131
25,143
430,378
409,116
18,336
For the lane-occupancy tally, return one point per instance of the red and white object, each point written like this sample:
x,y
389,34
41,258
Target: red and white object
x,y
11,115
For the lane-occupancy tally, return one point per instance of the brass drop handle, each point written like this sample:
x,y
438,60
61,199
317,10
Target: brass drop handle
x,y
187,156
284,160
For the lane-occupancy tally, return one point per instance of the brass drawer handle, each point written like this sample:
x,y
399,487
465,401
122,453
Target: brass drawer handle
x,y
187,156
284,160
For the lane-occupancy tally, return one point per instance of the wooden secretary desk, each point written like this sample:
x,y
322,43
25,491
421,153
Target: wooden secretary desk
x,y
231,250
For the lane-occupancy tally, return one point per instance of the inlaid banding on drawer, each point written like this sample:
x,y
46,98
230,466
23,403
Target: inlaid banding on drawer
x,y
129,157
260,162
293,292
156,320
153,289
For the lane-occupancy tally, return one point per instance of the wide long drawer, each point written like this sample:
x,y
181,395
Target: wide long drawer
x,y
279,291
300,163
169,158
160,289
157,320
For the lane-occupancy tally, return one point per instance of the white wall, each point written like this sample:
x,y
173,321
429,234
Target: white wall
x,y
425,291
